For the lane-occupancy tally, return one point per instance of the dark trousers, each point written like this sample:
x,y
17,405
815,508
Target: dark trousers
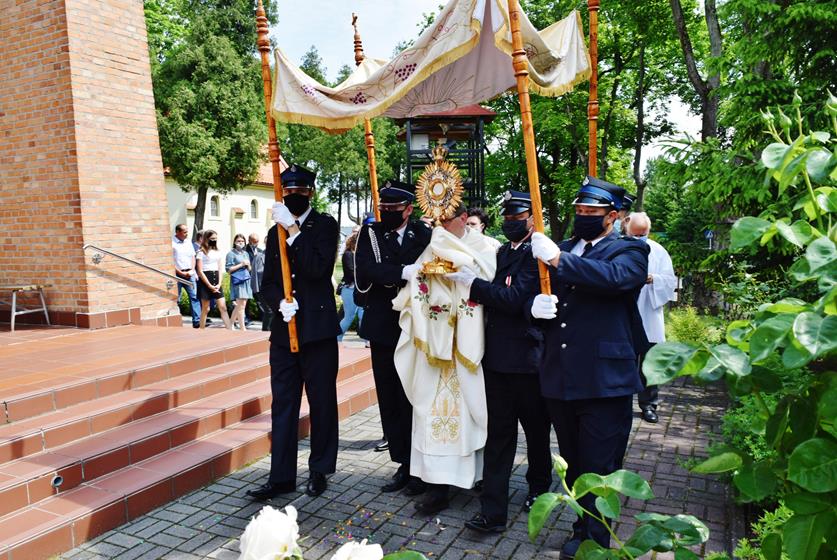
x,y
395,408
592,438
314,367
511,397
650,395
267,312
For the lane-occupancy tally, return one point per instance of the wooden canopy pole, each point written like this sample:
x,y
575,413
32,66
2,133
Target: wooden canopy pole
x,y
263,43
367,125
593,103
521,72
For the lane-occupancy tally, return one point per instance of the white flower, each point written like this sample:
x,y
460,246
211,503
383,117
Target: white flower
x,y
359,551
271,535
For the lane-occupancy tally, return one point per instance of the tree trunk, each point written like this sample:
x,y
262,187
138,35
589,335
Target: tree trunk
x,y
640,127
357,203
339,200
705,89
200,210
618,66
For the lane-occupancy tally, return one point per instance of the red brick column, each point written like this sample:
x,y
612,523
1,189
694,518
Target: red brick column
x,y
80,160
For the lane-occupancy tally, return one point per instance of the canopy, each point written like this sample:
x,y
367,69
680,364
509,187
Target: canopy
x,y
462,59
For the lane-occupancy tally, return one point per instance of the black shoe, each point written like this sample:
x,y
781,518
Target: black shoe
x,y
316,484
399,481
478,487
530,501
650,415
484,525
432,505
382,446
570,547
415,487
271,490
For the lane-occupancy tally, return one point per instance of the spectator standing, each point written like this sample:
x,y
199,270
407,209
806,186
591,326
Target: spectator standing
x,y
183,253
209,275
256,274
478,220
238,267
347,289
660,288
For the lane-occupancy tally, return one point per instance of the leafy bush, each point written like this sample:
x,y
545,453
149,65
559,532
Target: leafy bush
x,y
684,324
763,352
769,523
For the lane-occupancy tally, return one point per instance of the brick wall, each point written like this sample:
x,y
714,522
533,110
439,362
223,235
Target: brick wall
x,y
79,156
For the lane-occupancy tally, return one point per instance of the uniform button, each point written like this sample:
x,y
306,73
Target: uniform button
x,y
293,291
565,305
293,275
563,346
563,325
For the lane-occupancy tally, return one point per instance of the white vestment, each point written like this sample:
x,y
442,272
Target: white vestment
x,y
654,296
438,358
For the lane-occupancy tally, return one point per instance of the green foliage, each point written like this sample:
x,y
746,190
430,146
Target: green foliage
x,y
656,532
769,524
763,350
684,324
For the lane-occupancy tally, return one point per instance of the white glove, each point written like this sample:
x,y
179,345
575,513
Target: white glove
x,y
288,309
283,216
409,271
543,248
464,276
545,306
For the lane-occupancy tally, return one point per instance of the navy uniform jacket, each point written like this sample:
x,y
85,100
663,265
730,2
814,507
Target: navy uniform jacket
x,y
380,321
591,347
509,348
311,259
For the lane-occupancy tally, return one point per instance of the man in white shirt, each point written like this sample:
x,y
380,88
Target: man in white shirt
x,y
660,288
183,253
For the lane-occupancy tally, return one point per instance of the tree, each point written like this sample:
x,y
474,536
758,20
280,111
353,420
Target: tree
x,y
705,88
208,93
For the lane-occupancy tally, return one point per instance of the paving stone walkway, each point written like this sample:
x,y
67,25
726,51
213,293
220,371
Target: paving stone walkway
x,y
208,522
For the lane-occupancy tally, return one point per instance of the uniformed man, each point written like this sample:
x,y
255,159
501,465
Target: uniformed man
x,y
512,388
312,249
621,223
383,250
592,335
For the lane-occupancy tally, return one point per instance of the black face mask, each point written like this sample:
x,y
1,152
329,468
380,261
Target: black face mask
x,y
588,227
515,230
297,203
392,219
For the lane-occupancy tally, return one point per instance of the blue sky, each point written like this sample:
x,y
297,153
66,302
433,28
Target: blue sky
x,y
327,25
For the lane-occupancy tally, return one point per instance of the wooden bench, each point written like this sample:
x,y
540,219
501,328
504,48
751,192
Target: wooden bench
x,y
22,288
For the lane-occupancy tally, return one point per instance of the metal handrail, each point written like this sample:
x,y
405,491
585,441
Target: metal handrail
x,y
97,258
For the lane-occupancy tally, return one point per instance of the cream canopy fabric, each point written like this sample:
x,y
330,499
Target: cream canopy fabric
x,y
462,59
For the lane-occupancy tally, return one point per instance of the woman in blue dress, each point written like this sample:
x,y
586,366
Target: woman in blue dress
x,y
238,267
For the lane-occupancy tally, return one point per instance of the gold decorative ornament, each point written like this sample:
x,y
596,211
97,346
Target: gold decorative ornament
x,y
439,194
437,266
439,191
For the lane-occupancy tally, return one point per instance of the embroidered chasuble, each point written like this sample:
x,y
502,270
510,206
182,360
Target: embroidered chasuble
x,y
438,358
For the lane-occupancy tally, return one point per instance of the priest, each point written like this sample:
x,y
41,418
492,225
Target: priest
x,y
439,353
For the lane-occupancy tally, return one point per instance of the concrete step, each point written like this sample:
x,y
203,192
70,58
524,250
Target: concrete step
x,y
47,375
190,407
116,475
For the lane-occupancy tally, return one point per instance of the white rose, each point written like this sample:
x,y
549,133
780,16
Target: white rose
x,y
359,551
271,535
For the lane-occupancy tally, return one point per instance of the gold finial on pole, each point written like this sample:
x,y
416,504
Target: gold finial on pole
x,y
263,43
359,56
593,103
367,126
521,72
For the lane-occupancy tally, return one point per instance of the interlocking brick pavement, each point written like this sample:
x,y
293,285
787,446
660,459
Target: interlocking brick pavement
x,y
208,522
